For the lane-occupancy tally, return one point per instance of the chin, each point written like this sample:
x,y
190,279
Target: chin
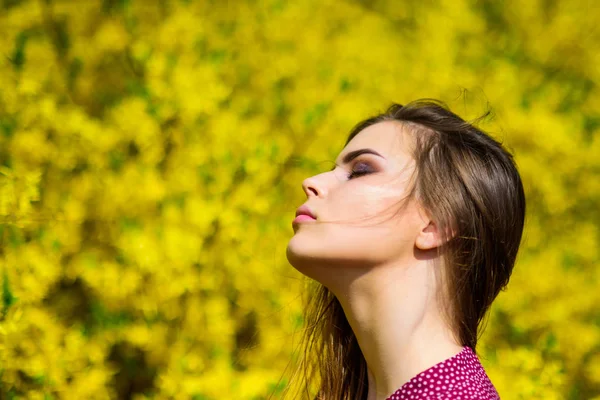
x,y
302,262
298,251
310,255
325,267
308,247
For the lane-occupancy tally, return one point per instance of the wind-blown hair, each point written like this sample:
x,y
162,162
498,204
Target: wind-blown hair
x,y
470,186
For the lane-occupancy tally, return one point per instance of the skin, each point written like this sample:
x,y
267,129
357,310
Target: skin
x,y
375,252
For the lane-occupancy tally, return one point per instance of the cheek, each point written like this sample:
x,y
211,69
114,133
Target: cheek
x,y
366,205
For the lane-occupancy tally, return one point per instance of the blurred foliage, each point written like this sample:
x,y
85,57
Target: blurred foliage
x,y
151,155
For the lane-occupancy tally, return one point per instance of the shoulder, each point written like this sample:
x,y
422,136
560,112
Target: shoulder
x,y
459,377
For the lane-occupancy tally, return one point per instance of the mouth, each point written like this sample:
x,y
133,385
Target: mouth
x,y
304,214
302,218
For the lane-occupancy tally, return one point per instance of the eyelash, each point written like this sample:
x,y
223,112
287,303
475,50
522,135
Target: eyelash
x,y
354,174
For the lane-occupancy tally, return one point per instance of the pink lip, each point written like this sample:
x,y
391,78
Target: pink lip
x,y
304,209
302,218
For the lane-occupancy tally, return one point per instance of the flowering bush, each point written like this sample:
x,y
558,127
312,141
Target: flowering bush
x,y
151,155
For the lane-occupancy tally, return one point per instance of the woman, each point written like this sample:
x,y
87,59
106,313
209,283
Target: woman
x,y
409,239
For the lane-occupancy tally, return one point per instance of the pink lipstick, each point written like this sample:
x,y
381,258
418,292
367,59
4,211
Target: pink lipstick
x,y
304,214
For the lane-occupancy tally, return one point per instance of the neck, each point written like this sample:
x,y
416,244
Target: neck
x,y
396,319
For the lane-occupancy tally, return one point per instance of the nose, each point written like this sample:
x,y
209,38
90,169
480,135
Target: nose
x,y
311,187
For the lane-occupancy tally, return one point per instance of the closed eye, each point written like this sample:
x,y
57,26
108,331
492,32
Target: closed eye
x,y
359,169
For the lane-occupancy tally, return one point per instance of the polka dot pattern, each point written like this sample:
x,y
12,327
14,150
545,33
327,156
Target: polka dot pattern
x,y
459,377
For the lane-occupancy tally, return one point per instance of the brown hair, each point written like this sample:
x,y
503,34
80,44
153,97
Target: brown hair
x,y
471,188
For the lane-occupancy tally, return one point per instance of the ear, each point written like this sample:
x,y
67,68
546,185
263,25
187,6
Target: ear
x,y
428,237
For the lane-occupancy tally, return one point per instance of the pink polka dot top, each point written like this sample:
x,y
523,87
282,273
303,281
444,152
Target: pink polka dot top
x,y
459,377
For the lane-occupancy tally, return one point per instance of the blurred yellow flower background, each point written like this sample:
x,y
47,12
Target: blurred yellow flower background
x,y
151,156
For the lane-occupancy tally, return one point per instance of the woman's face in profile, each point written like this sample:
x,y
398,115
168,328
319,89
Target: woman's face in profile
x,y
361,218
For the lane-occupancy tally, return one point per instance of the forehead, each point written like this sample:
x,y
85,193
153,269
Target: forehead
x,y
388,138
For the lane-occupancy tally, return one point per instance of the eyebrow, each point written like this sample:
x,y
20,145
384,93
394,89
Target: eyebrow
x,y
351,155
